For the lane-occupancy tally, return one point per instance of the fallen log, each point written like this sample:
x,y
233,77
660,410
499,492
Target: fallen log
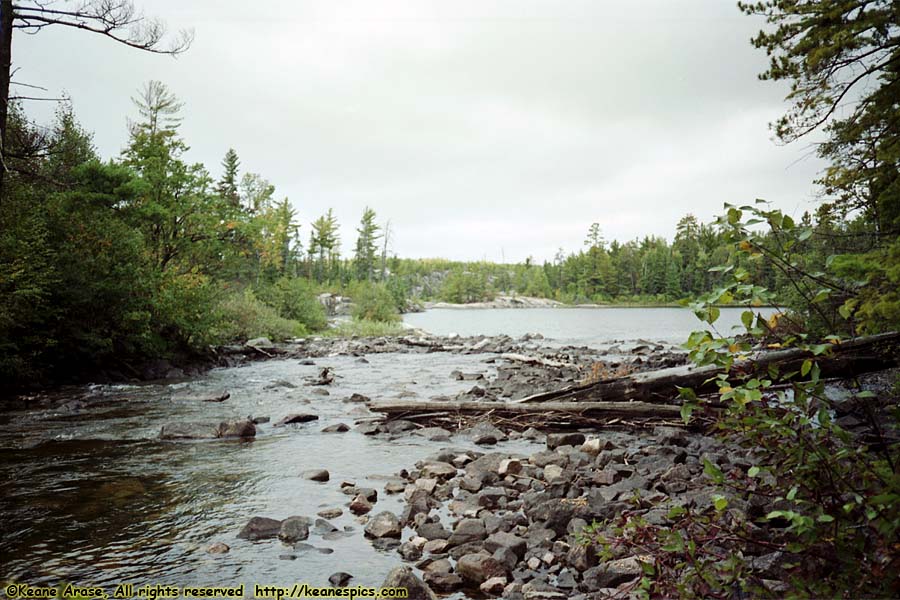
x,y
630,410
847,359
536,360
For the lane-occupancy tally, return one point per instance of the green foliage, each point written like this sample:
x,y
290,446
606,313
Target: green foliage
x,y
367,236
836,495
365,328
241,316
374,302
463,287
295,299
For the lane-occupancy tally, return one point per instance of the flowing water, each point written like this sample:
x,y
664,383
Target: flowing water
x,y
92,496
589,326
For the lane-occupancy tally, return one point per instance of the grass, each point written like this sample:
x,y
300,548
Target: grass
x,y
364,328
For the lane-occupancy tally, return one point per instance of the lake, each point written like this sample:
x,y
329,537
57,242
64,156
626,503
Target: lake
x,y
588,326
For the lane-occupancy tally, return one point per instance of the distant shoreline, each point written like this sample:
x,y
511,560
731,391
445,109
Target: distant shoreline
x,y
527,302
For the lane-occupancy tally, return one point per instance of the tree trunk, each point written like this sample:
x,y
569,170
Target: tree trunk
x,y
6,31
851,358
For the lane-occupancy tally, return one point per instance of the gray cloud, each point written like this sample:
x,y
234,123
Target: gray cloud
x,y
480,128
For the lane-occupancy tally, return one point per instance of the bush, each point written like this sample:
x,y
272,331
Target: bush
x,y
241,316
374,302
360,328
295,299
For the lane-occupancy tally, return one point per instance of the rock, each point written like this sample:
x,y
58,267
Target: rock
x,y
259,420
330,513
433,531
236,429
297,418
439,470
552,472
484,432
399,426
358,398
394,487
260,343
368,428
503,539
340,579
384,525
360,506
434,434
595,446
509,466
218,397
444,582
337,428
478,568
260,528
409,551
320,392
582,557
320,475
467,530
293,530
613,573
435,546
187,431
218,548
555,440
323,527
403,577
493,586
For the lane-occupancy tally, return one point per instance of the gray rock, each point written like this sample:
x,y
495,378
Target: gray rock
x,y
433,531
478,568
337,428
294,529
555,440
467,530
384,525
320,475
218,548
403,577
260,528
503,539
296,418
340,579
612,573
360,506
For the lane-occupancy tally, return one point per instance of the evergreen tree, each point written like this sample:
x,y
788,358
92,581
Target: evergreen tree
x,y
366,246
228,184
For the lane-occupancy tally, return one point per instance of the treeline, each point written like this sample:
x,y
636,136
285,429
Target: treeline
x,y
104,264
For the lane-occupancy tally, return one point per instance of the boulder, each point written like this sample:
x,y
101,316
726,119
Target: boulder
x,y
340,579
384,525
467,530
477,568
260,528
218,548
295,418
360,506
193,430
555,440
502,539
613,573
337,428
294,529
320,475
403,577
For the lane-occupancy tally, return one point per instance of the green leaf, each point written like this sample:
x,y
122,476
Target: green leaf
x,y
792,493
753,471
804,369
825,519
712,471
747,318
686,410
720,502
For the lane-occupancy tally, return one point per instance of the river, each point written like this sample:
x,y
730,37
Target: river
x,y
91,495
588,326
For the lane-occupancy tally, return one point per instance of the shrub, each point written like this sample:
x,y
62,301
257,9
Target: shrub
x,y
295,299
241,316
374,302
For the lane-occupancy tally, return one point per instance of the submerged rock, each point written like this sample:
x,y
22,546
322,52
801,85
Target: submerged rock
x,y
260,528
403,577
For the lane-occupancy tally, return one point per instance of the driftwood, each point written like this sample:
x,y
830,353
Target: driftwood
x,y
548,415
536,360
848,359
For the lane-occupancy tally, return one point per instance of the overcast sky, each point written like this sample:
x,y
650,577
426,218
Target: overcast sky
x,y
482,129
